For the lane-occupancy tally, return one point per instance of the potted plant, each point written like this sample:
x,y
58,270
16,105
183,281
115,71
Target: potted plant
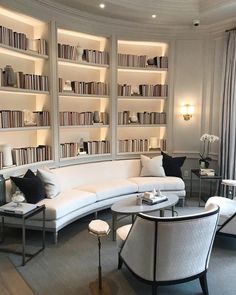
x,y
207,139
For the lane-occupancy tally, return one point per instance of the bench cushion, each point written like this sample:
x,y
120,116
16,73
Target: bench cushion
x,y
168,183
111,188
65,203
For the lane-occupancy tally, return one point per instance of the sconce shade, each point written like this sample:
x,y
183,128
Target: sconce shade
x,y
187,111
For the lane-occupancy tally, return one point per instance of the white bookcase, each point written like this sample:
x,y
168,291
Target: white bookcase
x,y
148,133
88,95
13,98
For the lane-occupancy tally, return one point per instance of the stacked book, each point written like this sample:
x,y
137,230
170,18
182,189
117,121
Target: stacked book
x,y
67,51
27,155
161,61
124,90
83,118
143,118
153,90
207,172
97,88
130,60
133,145
96,56
152,199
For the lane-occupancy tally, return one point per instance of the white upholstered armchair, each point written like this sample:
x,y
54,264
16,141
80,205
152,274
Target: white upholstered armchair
x,y
227,205
165,251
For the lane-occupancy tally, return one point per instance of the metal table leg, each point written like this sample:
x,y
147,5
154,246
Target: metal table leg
x,y
23,242
200,192
114,221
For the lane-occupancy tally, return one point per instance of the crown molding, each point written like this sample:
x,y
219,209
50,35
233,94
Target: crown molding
x,y
47,10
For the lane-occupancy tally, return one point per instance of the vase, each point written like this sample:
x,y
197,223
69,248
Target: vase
x,y
133,118
204,164
6,155
2,190
9,75
80,53
96,117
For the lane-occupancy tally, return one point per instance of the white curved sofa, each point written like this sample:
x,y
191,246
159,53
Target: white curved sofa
x,y
88,188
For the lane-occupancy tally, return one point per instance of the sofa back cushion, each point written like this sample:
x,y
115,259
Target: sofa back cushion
x,y
77,175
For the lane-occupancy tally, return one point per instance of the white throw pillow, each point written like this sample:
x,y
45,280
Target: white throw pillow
x,y
50,181
152,167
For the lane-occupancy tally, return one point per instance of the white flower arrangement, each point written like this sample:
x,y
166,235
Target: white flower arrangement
x,y
207,140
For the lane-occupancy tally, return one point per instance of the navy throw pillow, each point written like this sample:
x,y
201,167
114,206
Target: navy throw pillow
x,y
172,166
31,186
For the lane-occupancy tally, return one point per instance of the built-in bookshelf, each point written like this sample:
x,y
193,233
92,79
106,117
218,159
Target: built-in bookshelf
x,y
25,101
141,99
84,95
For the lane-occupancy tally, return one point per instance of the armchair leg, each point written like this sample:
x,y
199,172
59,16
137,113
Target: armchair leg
x,y
203,283
154,289
120,262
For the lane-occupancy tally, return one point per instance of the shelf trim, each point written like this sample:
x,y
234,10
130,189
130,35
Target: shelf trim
x,y
83,126
90,96
142,125
83,156
32,128
22,91
142,69
69,62
26,54
143,97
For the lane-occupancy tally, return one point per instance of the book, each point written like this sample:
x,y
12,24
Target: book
x,y
23,208
207,172
154,200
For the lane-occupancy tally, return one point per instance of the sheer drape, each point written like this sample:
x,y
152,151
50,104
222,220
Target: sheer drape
x,y
228,120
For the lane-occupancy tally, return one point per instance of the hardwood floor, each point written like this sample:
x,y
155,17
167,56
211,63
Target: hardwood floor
x,y
11,282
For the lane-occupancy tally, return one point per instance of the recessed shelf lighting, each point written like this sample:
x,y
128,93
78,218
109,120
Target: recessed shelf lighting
x,y
154,15
102,5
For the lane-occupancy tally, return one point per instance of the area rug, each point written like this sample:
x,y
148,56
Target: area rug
x,y
71,266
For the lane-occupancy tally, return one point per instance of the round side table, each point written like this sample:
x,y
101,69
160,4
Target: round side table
x,y
99,228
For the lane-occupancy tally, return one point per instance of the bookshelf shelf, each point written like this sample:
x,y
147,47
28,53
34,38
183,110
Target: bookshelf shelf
x,y
20,53
141,125
84,126
86,77
142,94
68,62
83,96
25,128
133,97
142,69
22,91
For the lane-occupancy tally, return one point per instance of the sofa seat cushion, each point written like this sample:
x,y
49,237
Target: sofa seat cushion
x,y
227,207
167,183
65,203
110,188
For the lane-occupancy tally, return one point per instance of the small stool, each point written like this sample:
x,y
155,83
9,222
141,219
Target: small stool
x,y
99,228
230,184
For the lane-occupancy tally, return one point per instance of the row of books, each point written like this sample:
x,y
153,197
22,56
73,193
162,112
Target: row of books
x,y
20,41
144,90
73,149
27,155
89,55
138,145
83,118
142,118
26,81
98,88
14,119
131,60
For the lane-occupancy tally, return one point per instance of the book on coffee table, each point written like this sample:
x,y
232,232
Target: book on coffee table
x,y
155,200
21,209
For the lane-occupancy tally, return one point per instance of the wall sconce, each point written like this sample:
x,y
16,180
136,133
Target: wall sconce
x,y
187,111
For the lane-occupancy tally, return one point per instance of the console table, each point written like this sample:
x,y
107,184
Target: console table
x,y
201,178
23,218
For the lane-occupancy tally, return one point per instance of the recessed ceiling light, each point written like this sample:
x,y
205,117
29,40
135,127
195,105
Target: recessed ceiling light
x,y
102,5
154,15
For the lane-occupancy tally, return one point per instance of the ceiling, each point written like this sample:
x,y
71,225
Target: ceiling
x,y
169,12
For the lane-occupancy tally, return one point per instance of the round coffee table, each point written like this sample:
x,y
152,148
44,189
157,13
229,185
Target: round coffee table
x,y
129,207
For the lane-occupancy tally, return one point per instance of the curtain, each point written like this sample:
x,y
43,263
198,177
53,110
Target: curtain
x,y
228,119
